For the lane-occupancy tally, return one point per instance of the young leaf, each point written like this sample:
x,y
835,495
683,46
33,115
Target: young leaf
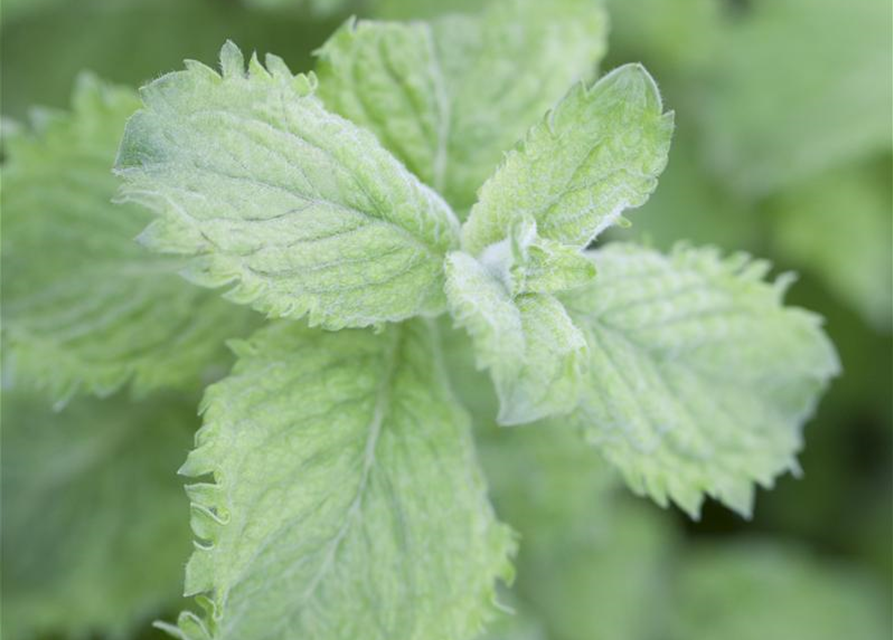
x,y
699,379
597,153
449,97
304,211
535,354
347,502
84,306
93,530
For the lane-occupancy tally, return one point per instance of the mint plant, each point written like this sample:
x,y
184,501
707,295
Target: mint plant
x,y
336,492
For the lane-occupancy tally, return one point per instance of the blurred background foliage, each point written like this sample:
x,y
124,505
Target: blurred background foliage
x,y
783,149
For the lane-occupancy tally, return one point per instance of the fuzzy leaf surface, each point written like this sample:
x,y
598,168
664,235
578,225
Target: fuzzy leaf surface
x,y
448,97
699,379
85,308
598,152
535,354
304,211
347,500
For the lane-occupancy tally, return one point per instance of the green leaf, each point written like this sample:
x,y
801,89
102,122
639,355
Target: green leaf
x,y
303,211
346,500
597,588
316,8
536,356
839,226
784,105
591,561
699,379
85,308
386,77
94,527
757,590
450,96
597,153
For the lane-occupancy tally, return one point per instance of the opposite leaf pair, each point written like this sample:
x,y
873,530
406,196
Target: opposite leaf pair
x,y
686,371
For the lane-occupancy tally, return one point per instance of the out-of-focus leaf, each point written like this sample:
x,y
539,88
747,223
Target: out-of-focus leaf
x,y
676,36
797,88
544,482
85,308
760,591
590,560
839,227
131,41
95,526
601,588
309,7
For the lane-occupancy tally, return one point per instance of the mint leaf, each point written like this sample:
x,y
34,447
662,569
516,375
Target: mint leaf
x,y
346,499
597,153
535,354
89,493
386,77
302,210
449,97
85,308
699,379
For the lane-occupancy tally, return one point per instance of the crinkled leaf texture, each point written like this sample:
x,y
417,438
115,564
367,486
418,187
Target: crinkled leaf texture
x,y
93,530
303,210
85,308
699,379
347,502
535,354
450,96
597,153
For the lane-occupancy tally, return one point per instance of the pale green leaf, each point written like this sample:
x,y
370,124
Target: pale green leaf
x,y
597,153
700,379
346,502
84,306
94,526
386,77
305,212
758,590
530,264
536,356
450,96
